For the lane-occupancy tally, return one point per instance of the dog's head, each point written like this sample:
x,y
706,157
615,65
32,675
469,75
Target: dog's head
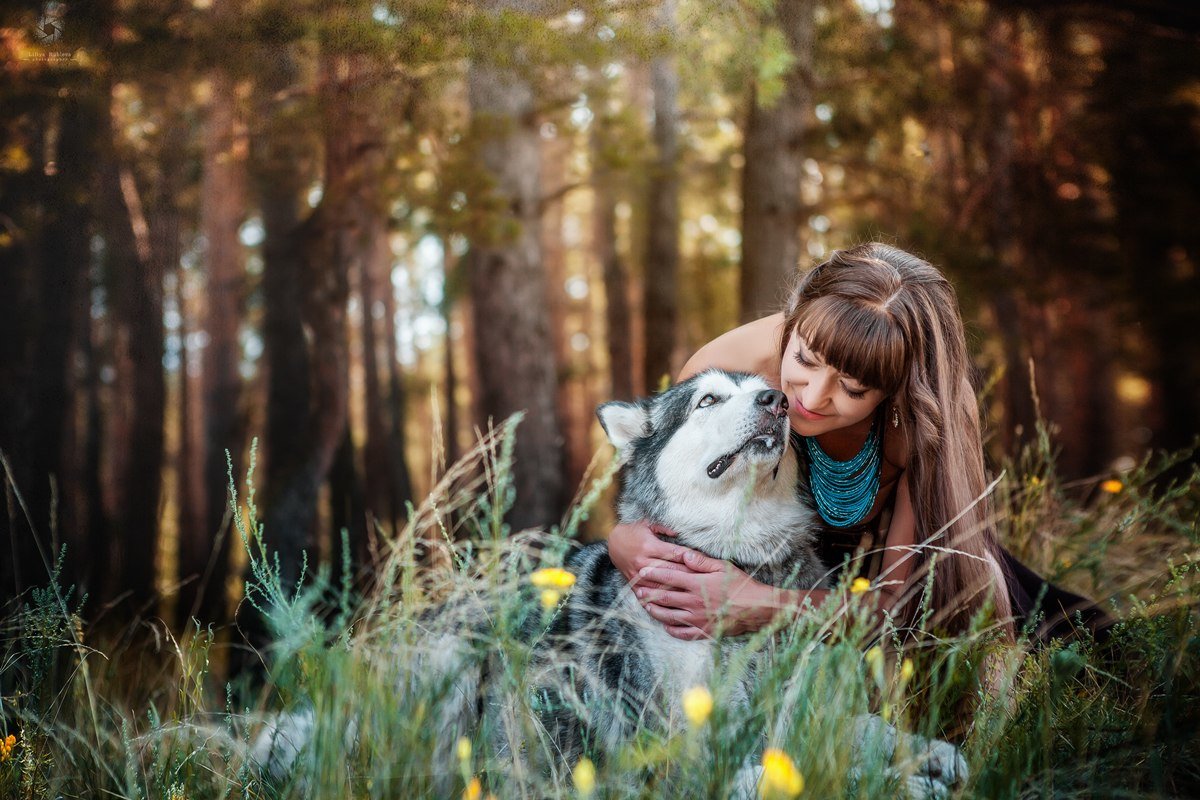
x,y
710,459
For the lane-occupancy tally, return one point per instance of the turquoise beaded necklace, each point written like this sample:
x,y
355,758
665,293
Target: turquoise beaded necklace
x,y
845,490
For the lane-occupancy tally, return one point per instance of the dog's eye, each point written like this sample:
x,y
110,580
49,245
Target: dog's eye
x,y
707,400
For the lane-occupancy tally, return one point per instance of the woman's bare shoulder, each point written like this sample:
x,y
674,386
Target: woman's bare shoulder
x,y
753,347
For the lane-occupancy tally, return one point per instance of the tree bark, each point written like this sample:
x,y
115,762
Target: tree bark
x,y
204,562
1006,247
44,213
400,492
661,308
771,204
616,277
554,154
514,346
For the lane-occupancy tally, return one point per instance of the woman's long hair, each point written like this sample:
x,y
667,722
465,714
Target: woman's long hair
x,y
892,321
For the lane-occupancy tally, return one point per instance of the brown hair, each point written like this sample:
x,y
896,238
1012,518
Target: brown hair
x,y
892,321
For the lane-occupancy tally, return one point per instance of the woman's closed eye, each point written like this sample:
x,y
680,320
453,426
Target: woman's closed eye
x,y
804,361
855,394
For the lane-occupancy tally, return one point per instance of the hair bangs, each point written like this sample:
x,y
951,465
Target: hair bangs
x,y
860,339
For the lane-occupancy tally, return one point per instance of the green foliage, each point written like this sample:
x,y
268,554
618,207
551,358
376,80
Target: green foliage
x,y
1099,719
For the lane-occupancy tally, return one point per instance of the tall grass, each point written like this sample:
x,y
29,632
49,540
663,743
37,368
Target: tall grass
x,y
146,718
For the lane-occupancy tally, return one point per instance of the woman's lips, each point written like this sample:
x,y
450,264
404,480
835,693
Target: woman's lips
x,y
804,412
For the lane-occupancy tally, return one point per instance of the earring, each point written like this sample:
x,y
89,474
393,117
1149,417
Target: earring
x,y
895,416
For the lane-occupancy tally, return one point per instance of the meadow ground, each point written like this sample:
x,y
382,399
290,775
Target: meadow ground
x,y
141,714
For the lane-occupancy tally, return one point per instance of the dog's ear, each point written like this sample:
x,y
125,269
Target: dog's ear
x,y
624,422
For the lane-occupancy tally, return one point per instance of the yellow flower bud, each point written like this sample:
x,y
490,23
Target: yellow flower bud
x,y
780,778
550,598
474,790
874,657
552,578
697,705
906,669
1112,486
463,749
584,777
860,585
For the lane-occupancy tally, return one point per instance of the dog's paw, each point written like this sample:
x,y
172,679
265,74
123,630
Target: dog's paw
x,y
940,760
932,767
924,787
280,741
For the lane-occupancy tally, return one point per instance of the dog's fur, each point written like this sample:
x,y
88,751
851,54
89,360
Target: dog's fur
x,y
710,459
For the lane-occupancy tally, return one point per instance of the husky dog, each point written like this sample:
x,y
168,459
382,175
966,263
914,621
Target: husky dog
x,y
710,459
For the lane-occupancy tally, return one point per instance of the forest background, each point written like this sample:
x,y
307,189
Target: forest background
x,y
357,232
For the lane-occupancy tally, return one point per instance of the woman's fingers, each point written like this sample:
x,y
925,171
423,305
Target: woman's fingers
x,y
640,579
687,633
665,551
670,577
673,616
666,598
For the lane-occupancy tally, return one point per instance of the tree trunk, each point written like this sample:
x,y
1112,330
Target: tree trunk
x,y
661,308
379,457
43,268
554,154
616,277
319,253
514,346
143,318
401,491
1018,399
204,562
771,204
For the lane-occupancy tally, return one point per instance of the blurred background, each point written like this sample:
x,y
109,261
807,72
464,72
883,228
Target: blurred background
x,y
358,231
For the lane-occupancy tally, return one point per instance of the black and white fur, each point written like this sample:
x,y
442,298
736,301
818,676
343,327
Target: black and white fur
x,y
710,459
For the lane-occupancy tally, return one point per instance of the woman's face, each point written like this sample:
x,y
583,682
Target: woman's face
x,y
821,399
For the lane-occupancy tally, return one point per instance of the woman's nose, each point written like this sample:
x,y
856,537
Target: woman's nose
x,y
815,393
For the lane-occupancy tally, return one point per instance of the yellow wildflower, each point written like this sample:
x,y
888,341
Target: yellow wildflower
x,y
1035,481
874,656
1112,486
550,598
6,747
552,578
697,705
780,777
474,790
463,749
860,585
584,777
906,669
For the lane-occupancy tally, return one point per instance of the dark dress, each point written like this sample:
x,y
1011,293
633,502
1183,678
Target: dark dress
x,y
1041,609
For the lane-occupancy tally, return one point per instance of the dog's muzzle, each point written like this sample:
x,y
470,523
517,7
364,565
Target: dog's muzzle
x,y
770,435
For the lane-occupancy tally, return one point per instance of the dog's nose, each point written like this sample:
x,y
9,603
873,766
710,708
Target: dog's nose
x,y
773,400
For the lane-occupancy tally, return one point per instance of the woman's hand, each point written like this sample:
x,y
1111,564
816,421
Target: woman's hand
x,y
708,593
635,547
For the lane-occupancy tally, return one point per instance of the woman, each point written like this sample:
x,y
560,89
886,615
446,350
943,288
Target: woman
x,y
871,355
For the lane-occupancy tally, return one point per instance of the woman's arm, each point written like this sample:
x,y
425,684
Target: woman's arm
x,y
692,602
754,347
